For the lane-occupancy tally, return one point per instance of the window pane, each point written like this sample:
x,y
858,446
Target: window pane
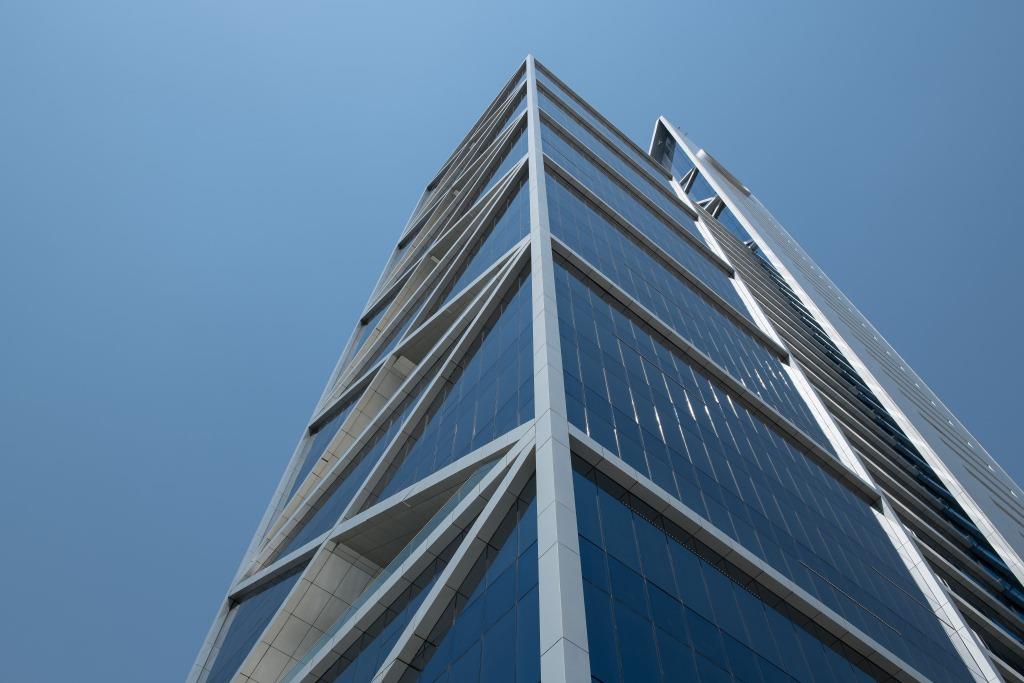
x,y
490,629
490,393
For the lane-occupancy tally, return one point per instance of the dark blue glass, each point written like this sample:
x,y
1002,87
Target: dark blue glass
x,y
705,447
735,351
515,111
507,229
618,197
575,220
510,224
490,631
655,189
612,135
667,295
248,619
511,153
490,393
700,625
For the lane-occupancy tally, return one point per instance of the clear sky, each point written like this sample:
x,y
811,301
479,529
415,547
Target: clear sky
x,y
196,197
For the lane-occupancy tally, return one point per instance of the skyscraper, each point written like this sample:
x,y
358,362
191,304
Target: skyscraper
x,y
602,419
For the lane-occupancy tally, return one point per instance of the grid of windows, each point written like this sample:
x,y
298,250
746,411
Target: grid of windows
x,y
687,434
612,135
490,630
361,661
571,214
597,312
247,620
319,440
490,392
673,300
617,196
510,224
657,611
640,182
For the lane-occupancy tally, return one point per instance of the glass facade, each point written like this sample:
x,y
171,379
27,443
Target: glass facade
x,y
338,496
720,537
489,632
517,109
672,299
672,157
688,435
583,226
490,393
651,188
511,153
616,195
510,225
608,134
658,611
602,326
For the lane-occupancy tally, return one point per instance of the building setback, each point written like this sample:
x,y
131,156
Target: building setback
x,y
603,419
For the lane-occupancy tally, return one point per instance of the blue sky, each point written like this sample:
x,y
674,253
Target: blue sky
x,y
195,199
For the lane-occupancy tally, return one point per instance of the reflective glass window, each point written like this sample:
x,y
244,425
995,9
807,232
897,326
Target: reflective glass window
x,y
670,154
676,302
490,630
490,392
516,110
574,215
703,446
661,612
511,223
614,136
747,361
618,197
511,153
641,183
